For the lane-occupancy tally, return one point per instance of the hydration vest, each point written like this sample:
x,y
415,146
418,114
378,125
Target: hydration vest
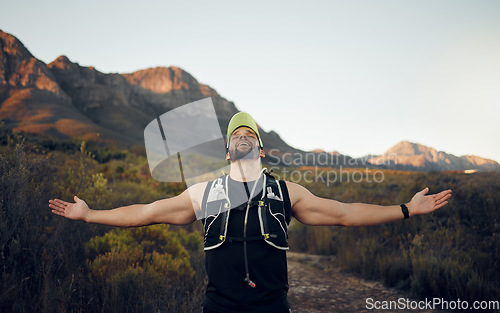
x,y
271,213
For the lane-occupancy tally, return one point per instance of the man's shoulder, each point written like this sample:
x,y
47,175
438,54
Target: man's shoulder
x,y
296,192
290,185
196,191
199,187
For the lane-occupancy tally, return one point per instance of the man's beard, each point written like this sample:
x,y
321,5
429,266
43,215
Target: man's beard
x,y
250,154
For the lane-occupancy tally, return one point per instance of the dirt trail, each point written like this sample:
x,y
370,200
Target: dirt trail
x,y
316,289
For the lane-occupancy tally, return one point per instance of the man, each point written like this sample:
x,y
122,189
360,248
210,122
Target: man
x,y
246,215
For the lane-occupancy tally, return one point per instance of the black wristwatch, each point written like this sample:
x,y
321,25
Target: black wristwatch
x,y
404,209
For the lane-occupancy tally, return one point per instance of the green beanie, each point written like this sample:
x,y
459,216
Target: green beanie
x,y
242,119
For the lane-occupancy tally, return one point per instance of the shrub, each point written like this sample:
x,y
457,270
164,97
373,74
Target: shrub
x,y
145,269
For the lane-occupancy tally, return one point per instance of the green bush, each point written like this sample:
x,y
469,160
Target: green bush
x,y
145,269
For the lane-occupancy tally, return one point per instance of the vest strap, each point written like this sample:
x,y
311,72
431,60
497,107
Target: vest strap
x,y
241,239
243,206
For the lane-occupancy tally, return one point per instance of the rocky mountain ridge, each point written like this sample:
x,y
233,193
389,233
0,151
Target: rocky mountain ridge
x,y
65,100
407,154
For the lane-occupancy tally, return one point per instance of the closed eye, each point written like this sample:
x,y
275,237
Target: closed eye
x,y
246,133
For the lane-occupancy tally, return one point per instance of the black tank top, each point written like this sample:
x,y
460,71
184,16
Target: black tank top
x,y
227,291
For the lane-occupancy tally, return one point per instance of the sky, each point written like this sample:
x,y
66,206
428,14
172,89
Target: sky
x,y
355,77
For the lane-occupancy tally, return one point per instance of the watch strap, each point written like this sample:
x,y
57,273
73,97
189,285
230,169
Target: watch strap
x,y
405,211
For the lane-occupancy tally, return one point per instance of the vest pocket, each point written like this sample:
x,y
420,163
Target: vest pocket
x,y
277,222
214,223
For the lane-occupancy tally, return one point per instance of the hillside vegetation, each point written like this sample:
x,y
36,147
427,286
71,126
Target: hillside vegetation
x,y
451,254
49,264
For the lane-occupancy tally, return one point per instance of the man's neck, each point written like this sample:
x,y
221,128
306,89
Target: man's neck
x,y
245,170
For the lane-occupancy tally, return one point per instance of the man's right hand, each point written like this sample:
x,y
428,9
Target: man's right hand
x,y
75,211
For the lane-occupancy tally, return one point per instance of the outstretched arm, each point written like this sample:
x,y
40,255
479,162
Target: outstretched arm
x,y
179,210
312,210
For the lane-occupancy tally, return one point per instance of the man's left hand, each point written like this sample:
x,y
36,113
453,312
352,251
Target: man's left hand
x,y
421,203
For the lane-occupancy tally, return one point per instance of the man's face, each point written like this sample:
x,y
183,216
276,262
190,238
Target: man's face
x,y
243,144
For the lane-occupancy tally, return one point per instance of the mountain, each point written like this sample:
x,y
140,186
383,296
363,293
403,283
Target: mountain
x,y
414,156
65,100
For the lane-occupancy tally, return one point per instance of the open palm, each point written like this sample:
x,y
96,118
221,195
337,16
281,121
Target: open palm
x,y
75,211
423,204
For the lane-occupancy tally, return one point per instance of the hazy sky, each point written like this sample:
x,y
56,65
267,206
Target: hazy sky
x,y
351,76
